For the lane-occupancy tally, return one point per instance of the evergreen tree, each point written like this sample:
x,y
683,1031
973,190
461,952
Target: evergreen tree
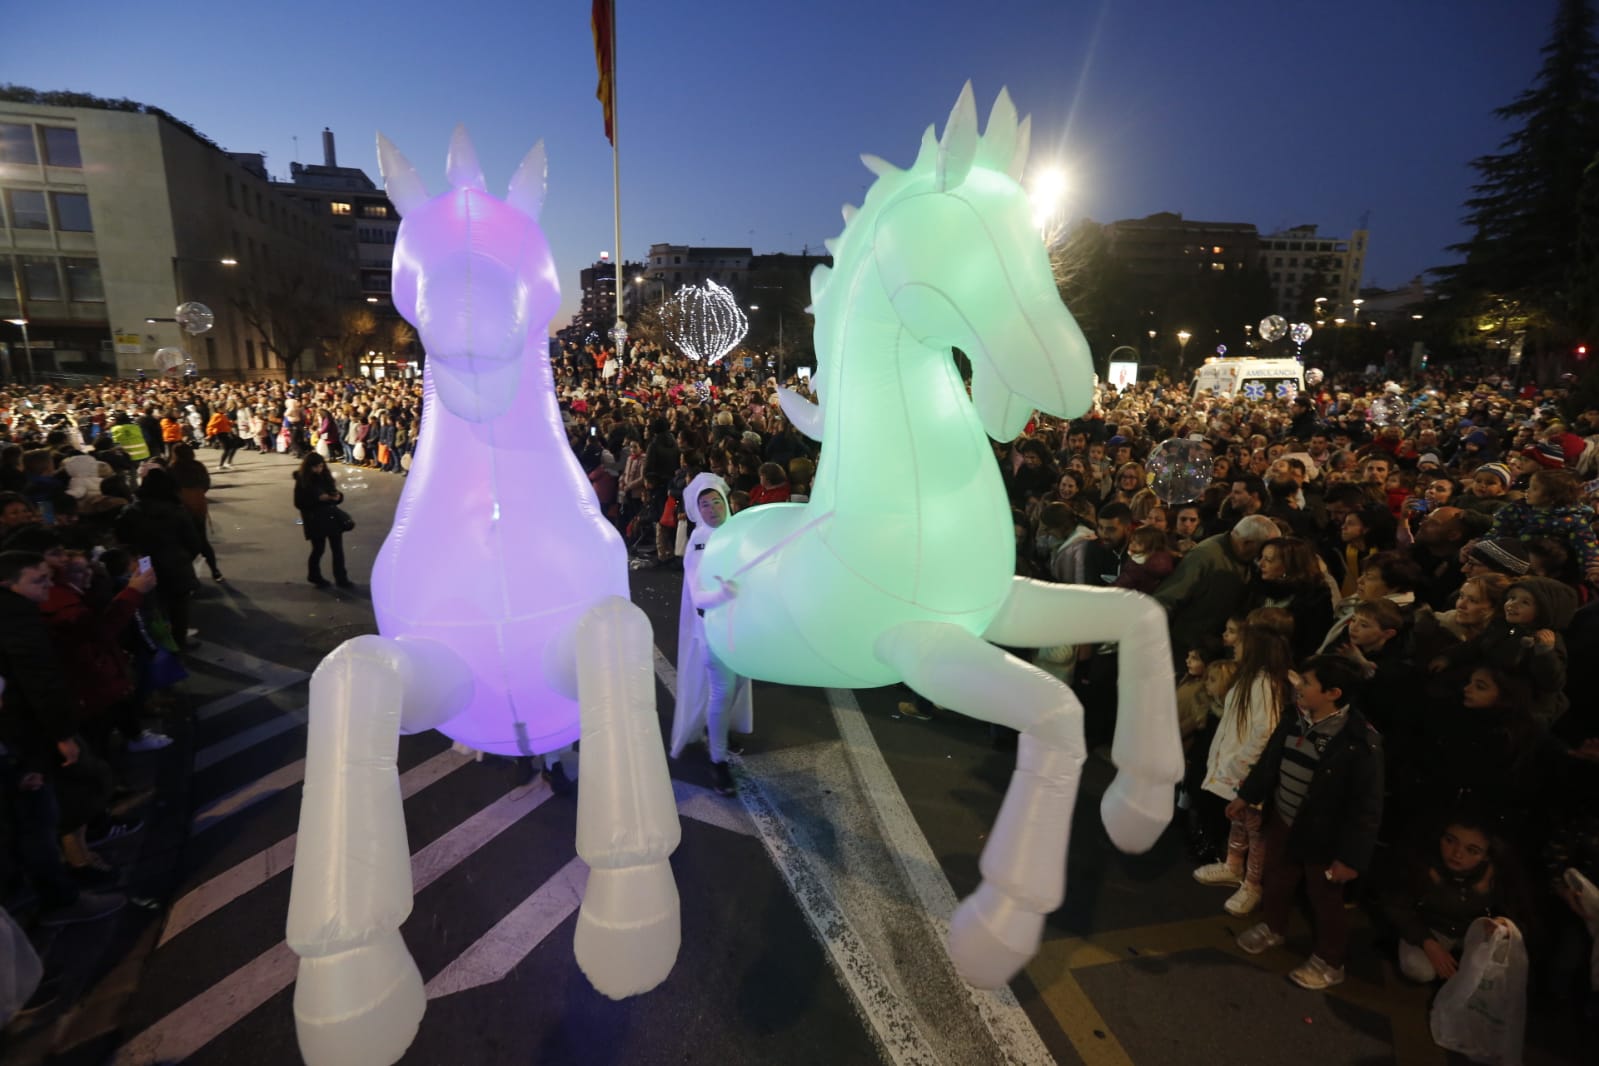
x,y
1524,215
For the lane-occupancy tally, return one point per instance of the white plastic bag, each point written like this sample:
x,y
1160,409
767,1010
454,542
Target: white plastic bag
x,y
1481,1011
20,968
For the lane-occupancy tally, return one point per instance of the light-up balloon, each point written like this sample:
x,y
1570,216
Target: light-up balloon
x,y
1179,470
901,565
1314,377
501,595
1300,332
1273,328
167,359
195,318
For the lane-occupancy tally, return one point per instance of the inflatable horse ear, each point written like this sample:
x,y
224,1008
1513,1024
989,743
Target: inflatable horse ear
x,y
526,191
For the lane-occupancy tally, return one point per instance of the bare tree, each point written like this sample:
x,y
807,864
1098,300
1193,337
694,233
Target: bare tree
x,y
292,317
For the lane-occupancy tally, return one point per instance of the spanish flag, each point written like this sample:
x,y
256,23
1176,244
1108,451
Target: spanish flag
x,y
602,20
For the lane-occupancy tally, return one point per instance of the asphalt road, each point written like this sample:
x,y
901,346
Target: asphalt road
x,y
813,905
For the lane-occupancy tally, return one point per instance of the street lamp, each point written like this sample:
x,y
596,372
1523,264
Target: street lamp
x,y
1047,192
1183,337
27,349
1357,301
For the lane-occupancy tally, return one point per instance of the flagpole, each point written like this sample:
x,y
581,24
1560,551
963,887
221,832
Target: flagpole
x,y
619,331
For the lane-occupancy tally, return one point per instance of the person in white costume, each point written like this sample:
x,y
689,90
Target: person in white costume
x,y
709,695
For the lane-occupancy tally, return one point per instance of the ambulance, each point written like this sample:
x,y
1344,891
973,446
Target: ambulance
x,y
1251,379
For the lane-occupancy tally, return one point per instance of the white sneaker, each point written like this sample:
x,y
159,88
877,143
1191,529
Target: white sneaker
x,y
1218,873
1242,902
1316,974
149,740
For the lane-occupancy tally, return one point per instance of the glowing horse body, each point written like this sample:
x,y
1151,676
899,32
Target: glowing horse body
x,y
900,566
501,593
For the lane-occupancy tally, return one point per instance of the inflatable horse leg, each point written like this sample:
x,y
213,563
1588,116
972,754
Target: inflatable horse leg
x,y
1148,748
997,929
630,925
358,996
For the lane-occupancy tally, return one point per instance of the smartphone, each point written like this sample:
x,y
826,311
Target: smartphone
x,y
593,432
144,564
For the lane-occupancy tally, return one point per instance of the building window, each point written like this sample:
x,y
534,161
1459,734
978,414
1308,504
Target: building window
x,y
83,281
16,143
27,210
249,353
72,212
339,208
374,211
227,187
260,212
61,147
1293,261
211,350
40,280
677,260
8,279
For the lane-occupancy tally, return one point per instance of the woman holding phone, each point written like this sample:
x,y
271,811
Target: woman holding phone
x,y
317,498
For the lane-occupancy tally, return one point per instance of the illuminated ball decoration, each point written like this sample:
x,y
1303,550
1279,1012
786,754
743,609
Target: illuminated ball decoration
x,y
1179,470
1273,328
705,321
195,318
1314,377
1300,332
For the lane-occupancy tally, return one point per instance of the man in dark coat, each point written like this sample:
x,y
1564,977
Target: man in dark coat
x,y
1208,586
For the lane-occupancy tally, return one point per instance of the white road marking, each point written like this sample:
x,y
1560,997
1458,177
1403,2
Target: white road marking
x,y
892,1022
214,1011
233,700
499,951
211,896
245,739
251,794
242,662
1013,1032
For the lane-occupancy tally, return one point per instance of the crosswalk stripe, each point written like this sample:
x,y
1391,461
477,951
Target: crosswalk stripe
x,y
234,700
211,1013
513,938
245,739
251,794
242,662
212,895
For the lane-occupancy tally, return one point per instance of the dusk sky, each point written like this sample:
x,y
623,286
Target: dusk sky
x,y
741,123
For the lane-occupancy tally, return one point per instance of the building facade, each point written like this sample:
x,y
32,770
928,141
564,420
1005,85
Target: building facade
x,y
1304,266
1167,247
112,217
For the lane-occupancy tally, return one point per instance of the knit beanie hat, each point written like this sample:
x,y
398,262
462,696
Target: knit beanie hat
x,y
1556,600
1498,470
1506,555
1549,456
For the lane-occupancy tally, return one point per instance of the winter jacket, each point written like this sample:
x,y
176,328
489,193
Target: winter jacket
x,y
1233,756
163,530
87,641
1340,814
1311,607
39,708
1205,590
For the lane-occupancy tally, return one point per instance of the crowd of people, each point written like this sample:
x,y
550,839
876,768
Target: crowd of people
x,y
1381,607
1380,601
104,516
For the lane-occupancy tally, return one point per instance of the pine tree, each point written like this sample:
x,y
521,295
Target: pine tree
x,y
1522,256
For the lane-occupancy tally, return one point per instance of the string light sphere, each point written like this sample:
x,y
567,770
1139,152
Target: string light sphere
x,y
705,321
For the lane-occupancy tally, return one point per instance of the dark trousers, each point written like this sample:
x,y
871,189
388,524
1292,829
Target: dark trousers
x,y
1282,877
319,541
230,444
29,837
175,605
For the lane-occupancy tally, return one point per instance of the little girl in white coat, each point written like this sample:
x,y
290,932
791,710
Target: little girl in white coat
x,y
709,695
